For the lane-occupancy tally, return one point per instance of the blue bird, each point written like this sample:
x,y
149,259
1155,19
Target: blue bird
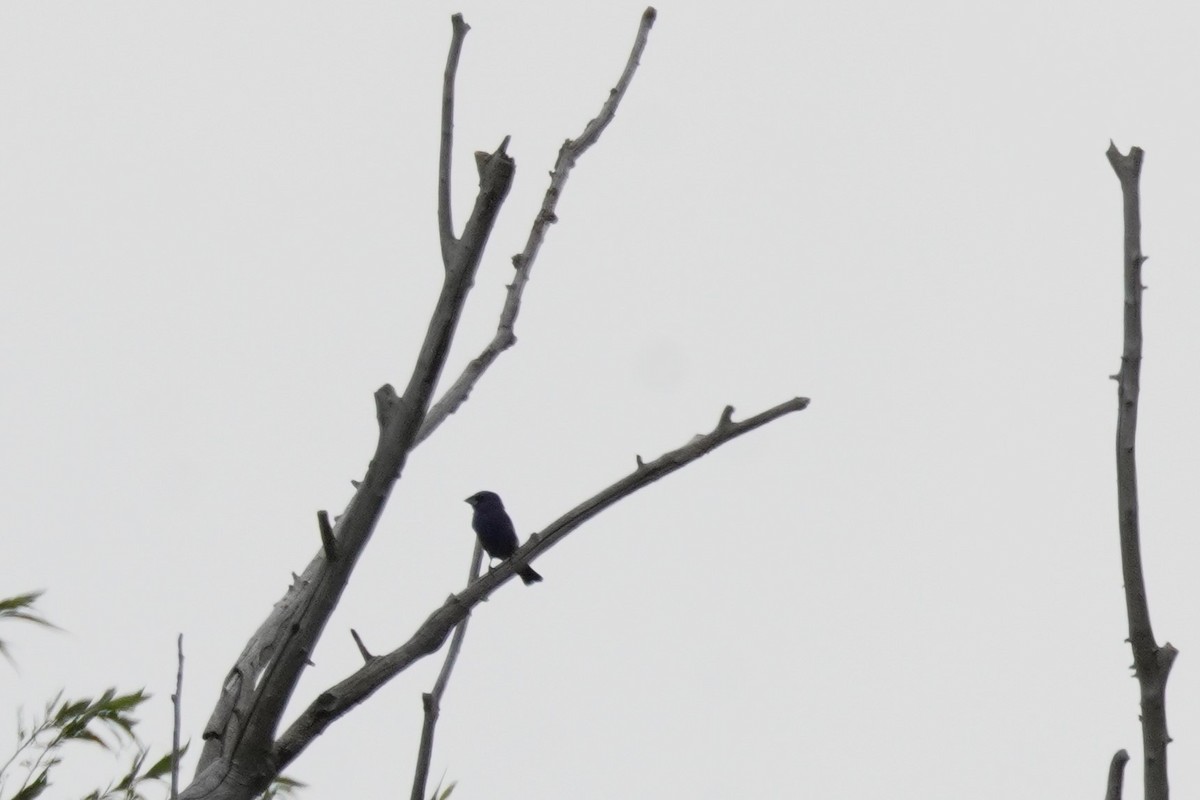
x,y
495,530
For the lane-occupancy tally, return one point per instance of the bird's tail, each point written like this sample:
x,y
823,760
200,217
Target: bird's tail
x,y
528,575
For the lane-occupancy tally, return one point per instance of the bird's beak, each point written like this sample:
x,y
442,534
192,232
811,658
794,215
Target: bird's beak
x,y
468,501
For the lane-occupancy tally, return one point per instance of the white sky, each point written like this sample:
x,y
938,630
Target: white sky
x,y
218,238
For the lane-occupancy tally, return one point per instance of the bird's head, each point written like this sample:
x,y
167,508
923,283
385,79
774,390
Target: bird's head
x,y
484,499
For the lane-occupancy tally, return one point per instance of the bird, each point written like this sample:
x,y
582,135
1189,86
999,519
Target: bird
x,y
496,532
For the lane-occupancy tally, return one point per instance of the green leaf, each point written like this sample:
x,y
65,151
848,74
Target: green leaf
x,y
160,768
70,710
39,785
21,607
124,702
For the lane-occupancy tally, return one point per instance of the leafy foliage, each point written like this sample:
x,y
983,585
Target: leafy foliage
x,y
20,608
106,722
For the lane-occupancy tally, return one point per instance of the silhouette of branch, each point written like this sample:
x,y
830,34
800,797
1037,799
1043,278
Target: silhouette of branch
x,y
568,154
445,213
1152,663
1116,775
238,738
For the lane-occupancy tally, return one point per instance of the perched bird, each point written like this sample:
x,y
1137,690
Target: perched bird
x,y
495,530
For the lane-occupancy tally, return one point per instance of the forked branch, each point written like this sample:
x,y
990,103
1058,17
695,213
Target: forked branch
x,y
236,761
568,154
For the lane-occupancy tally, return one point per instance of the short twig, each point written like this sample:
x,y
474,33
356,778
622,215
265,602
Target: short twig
x,y
362,648
327,535
1116,775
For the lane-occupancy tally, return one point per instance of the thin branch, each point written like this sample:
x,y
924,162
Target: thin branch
x,y
523,262
445,213
431,635
1116,775
646,473
1151,662
432,701
177,701
594,128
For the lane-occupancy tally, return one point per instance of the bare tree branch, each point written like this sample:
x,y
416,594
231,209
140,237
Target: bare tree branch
x,y
340,698
432,701
1151,662
1116,775
504,338
445,213
594,128
568,154
237,758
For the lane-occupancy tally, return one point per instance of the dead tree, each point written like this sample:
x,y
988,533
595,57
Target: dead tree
x,y
1151,662
243,750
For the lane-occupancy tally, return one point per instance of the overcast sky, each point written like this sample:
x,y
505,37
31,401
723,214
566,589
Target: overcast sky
x,y
218,238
